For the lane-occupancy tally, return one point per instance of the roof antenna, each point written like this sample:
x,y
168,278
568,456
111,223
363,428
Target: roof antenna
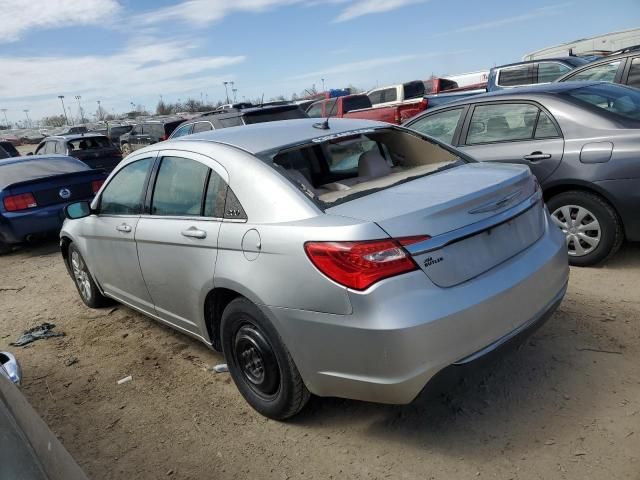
x,y
325,125
262,100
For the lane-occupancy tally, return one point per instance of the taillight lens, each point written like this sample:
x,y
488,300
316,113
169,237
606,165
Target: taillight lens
x,y
95,185
23,201
164,137
358,265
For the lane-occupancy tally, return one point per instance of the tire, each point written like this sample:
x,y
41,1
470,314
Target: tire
x,y
259,362
83,281
587,246
4,247
125,148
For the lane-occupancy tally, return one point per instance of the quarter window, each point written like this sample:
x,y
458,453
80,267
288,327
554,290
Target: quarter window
x,y
605,72
634,73
123,195
330,109
545,127
179,187
502,122
441,126
182,131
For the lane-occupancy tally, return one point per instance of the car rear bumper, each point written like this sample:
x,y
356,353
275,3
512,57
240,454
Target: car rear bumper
x,y
404,330
16,227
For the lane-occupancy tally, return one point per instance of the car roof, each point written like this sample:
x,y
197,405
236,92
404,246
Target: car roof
x,y
74,136
263,137
238,112
569,60
30,158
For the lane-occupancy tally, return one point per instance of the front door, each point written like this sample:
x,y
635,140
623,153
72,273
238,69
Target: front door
x,y
177,241
111,246
510,132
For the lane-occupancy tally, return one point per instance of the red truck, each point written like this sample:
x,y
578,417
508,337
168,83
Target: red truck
x,y
359,106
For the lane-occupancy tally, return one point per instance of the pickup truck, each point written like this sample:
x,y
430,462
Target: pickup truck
x,y
394,94
359,106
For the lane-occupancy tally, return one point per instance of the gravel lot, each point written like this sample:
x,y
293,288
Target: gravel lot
x,y
565,405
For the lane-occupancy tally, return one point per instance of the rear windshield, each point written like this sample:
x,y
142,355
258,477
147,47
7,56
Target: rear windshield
x,y
413,90
616,99
355,102
22,171
120,130
10,149
334,170
269,115
169,127
89,143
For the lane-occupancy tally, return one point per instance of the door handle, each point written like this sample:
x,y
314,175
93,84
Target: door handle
x,y
193,232
533,156
124,228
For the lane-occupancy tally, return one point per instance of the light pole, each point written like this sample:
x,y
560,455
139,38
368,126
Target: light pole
x,y
226,91
78,97
71,116
133,106
234,90
26,112
100,116
322,84
4,110
64,111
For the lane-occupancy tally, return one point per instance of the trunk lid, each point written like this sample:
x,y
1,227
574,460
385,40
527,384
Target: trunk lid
x,y
477,216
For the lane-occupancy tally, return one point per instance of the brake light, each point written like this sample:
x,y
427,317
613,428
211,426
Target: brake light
x,y
358,265
22,201
95,185
164,137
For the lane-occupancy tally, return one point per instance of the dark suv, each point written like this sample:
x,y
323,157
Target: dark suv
x,y
147,133
237,116
95,150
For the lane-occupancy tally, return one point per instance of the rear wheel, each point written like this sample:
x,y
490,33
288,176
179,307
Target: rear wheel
x,y
87,288
591,226
126,149
259,362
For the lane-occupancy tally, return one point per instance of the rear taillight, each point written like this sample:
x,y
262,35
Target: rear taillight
x,y
164,137
95,185
22,201
358,265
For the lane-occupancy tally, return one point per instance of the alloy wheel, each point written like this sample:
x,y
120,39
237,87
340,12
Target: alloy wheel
x,y
581,228
81,275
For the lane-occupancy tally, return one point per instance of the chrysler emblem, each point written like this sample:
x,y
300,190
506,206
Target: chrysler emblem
x,y
64,193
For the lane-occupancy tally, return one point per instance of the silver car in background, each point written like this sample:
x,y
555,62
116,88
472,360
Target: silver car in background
x,y
353,259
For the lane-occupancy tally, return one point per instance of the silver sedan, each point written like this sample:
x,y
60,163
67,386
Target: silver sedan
x,y
352,259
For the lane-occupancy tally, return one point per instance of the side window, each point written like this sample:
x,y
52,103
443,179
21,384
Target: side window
x,y
315,110
330,108
376,97
514,76
549,71
502,123
215,197
231,122
634,73
389,95
136,130
123,195
545,128
50,147
202,127
182,131
59,148
179,187
604,72
441,126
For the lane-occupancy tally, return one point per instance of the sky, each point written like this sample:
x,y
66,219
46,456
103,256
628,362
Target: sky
x,y
120,52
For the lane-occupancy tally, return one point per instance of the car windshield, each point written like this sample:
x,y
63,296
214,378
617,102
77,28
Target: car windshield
x,y
89,143
616,99
334,170
22,171
269,115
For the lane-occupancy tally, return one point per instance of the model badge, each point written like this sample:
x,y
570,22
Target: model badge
x,y
64,193
503,202
431,261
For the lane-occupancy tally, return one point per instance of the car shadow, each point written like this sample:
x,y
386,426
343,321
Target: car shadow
x,y
628,258
478,404
37,248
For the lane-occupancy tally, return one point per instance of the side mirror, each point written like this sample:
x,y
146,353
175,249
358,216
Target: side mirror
x,y
10,368
77,210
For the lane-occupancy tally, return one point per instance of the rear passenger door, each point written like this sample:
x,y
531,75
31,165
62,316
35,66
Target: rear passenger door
x,y
177,237
514,132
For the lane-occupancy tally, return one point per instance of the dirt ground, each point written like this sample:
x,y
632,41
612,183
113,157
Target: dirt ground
x,y
565,405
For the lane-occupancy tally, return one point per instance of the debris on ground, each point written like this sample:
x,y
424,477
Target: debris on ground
x,y
44,330
125,380
71,361
221,368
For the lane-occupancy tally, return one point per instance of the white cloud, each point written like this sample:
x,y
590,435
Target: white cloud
x,y
360,8
370,64
18,16
204,12
126,76
500,22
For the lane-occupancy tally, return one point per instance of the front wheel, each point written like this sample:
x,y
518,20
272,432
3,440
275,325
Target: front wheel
x,y
591,226
259,362
87,288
